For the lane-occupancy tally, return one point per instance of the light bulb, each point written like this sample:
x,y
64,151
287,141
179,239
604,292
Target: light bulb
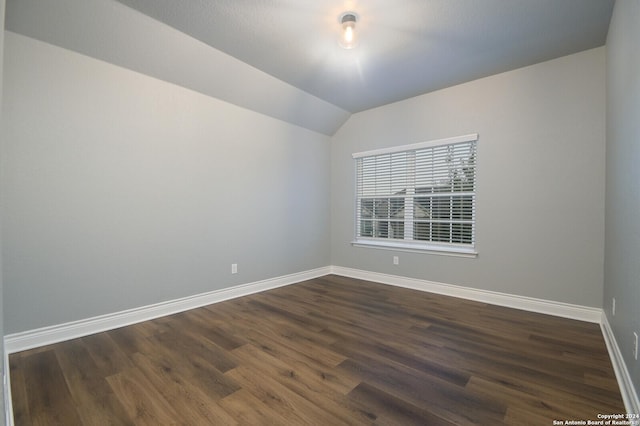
x,y
348,38
348,34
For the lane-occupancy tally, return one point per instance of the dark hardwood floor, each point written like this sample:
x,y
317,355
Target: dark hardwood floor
x,y
329,351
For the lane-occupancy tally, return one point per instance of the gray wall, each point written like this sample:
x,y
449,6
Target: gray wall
x,y
2,372
121,190
622,244
540,195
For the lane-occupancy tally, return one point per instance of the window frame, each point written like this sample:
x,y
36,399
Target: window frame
x,y
407,243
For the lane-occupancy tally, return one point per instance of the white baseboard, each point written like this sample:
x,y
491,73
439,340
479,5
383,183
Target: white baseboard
x,y
628,391
559,309
58,333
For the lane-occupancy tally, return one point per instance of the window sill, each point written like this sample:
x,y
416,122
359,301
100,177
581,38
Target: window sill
x,y
415,248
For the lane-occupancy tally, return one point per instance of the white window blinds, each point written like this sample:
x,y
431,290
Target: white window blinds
x,y
420,196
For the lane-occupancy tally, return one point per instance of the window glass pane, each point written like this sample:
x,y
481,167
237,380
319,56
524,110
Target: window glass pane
x,y
462,207
441,232
366,228
396,208
381,208
396,230
461,233
366,208
422,231
422,208
441,208
381,229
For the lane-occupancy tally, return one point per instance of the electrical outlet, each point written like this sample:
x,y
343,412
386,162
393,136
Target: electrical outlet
x,y
635,345
234,268
396,260
613,307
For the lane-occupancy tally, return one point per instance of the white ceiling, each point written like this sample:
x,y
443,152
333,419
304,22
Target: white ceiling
x,y
281,57
407,47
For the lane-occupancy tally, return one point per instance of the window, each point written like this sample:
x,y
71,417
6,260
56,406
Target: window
x,y
420,196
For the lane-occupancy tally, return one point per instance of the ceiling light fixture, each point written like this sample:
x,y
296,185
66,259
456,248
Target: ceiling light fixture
x,y
348,39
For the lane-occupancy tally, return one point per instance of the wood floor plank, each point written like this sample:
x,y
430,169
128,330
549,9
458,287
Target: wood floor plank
x,y
93,397
106,410
603,381
106,353
502,351
331,350
48,396
297,340
280,399
355,347
249,410
128,338
142,401
341,383
193,405
518,417
199,371
390,410
485,365
304,382
201,324
442,398
529,399
19,395
184,340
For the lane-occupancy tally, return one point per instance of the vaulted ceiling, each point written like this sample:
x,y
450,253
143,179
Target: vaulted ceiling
x,y
288,49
